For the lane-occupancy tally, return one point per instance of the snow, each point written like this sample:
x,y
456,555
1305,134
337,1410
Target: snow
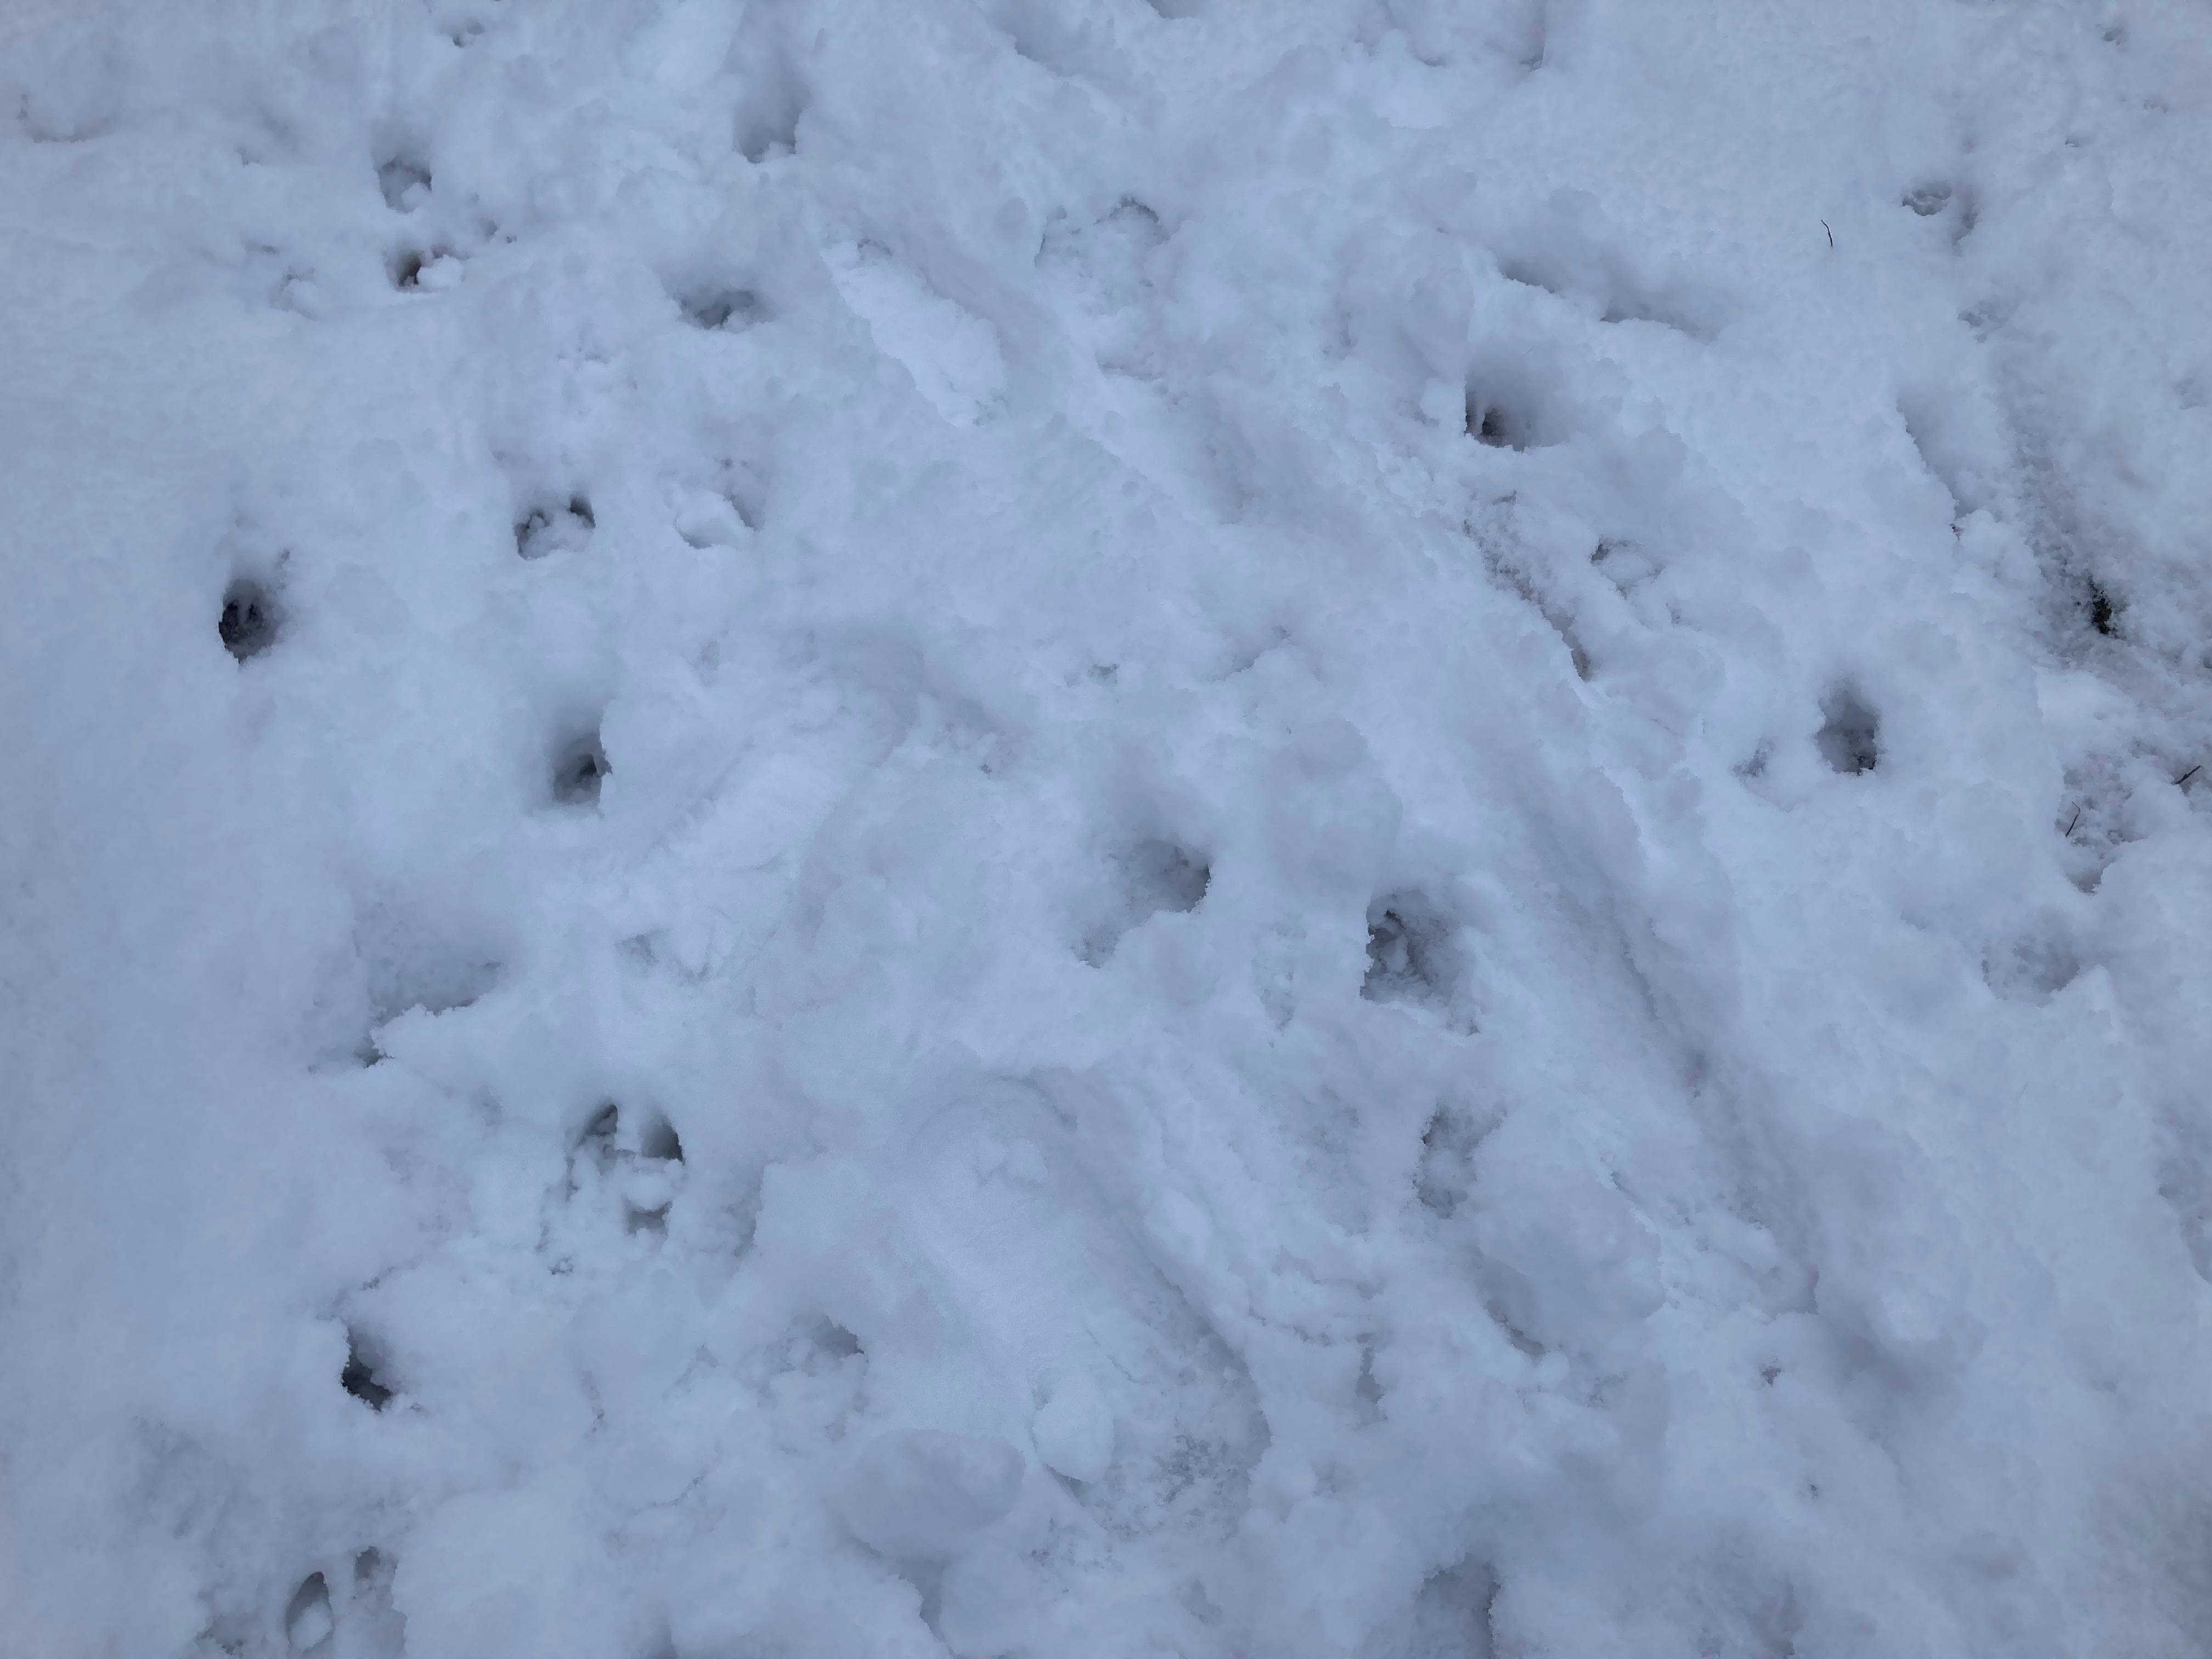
x,y
1356,828
916,1494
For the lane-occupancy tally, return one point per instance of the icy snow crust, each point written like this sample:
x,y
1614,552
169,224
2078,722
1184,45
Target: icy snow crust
x,y
860,828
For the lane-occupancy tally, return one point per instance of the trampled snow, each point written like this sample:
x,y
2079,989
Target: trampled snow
x,y
1064,828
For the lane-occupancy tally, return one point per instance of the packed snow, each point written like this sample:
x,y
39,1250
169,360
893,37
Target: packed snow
x,y
1245,828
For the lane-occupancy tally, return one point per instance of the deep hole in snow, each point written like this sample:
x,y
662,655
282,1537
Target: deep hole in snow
x,y
579,766
359,1377
406,268
1498,417
307,1623
1411,954
1850,736
2103,614
248,623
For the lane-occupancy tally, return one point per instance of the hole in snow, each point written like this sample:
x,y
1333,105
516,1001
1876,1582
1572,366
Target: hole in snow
x,y
2104,616
733,308
767,121
1850,738
1451,1615
359,1378
403,183
247,625
1502,412
598,1136
1156,876
1444,1178
1365,1388
1164,877
406,267
1625,564
425,975
2033,969
307,1623
661,1141
1411,954
1958,205
579,766
547,530
369,1566
638,1220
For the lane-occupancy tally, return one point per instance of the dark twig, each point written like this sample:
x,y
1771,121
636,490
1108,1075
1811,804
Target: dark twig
x,y
2189,774
2071,821
1831,234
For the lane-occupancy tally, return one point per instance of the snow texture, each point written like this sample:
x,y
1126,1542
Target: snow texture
x,y
1088,827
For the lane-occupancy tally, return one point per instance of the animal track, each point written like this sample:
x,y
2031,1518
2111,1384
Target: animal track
x,y
1155,876
640,1165
1444,1178
1957,206
2033,969
250,618
308,1625
597,1137
1505,408
359,1378
1412,954
731,308
1451,1615
403,183
406,266
580,768
414,959
1927,200
2104,616
545,531
1490,423
766,122
659,1142
1850,736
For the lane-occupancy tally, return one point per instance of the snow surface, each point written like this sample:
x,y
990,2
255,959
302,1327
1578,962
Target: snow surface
x,y
1073,828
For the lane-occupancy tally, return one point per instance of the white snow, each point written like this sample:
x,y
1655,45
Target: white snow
x,y
1361,828
916,1494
